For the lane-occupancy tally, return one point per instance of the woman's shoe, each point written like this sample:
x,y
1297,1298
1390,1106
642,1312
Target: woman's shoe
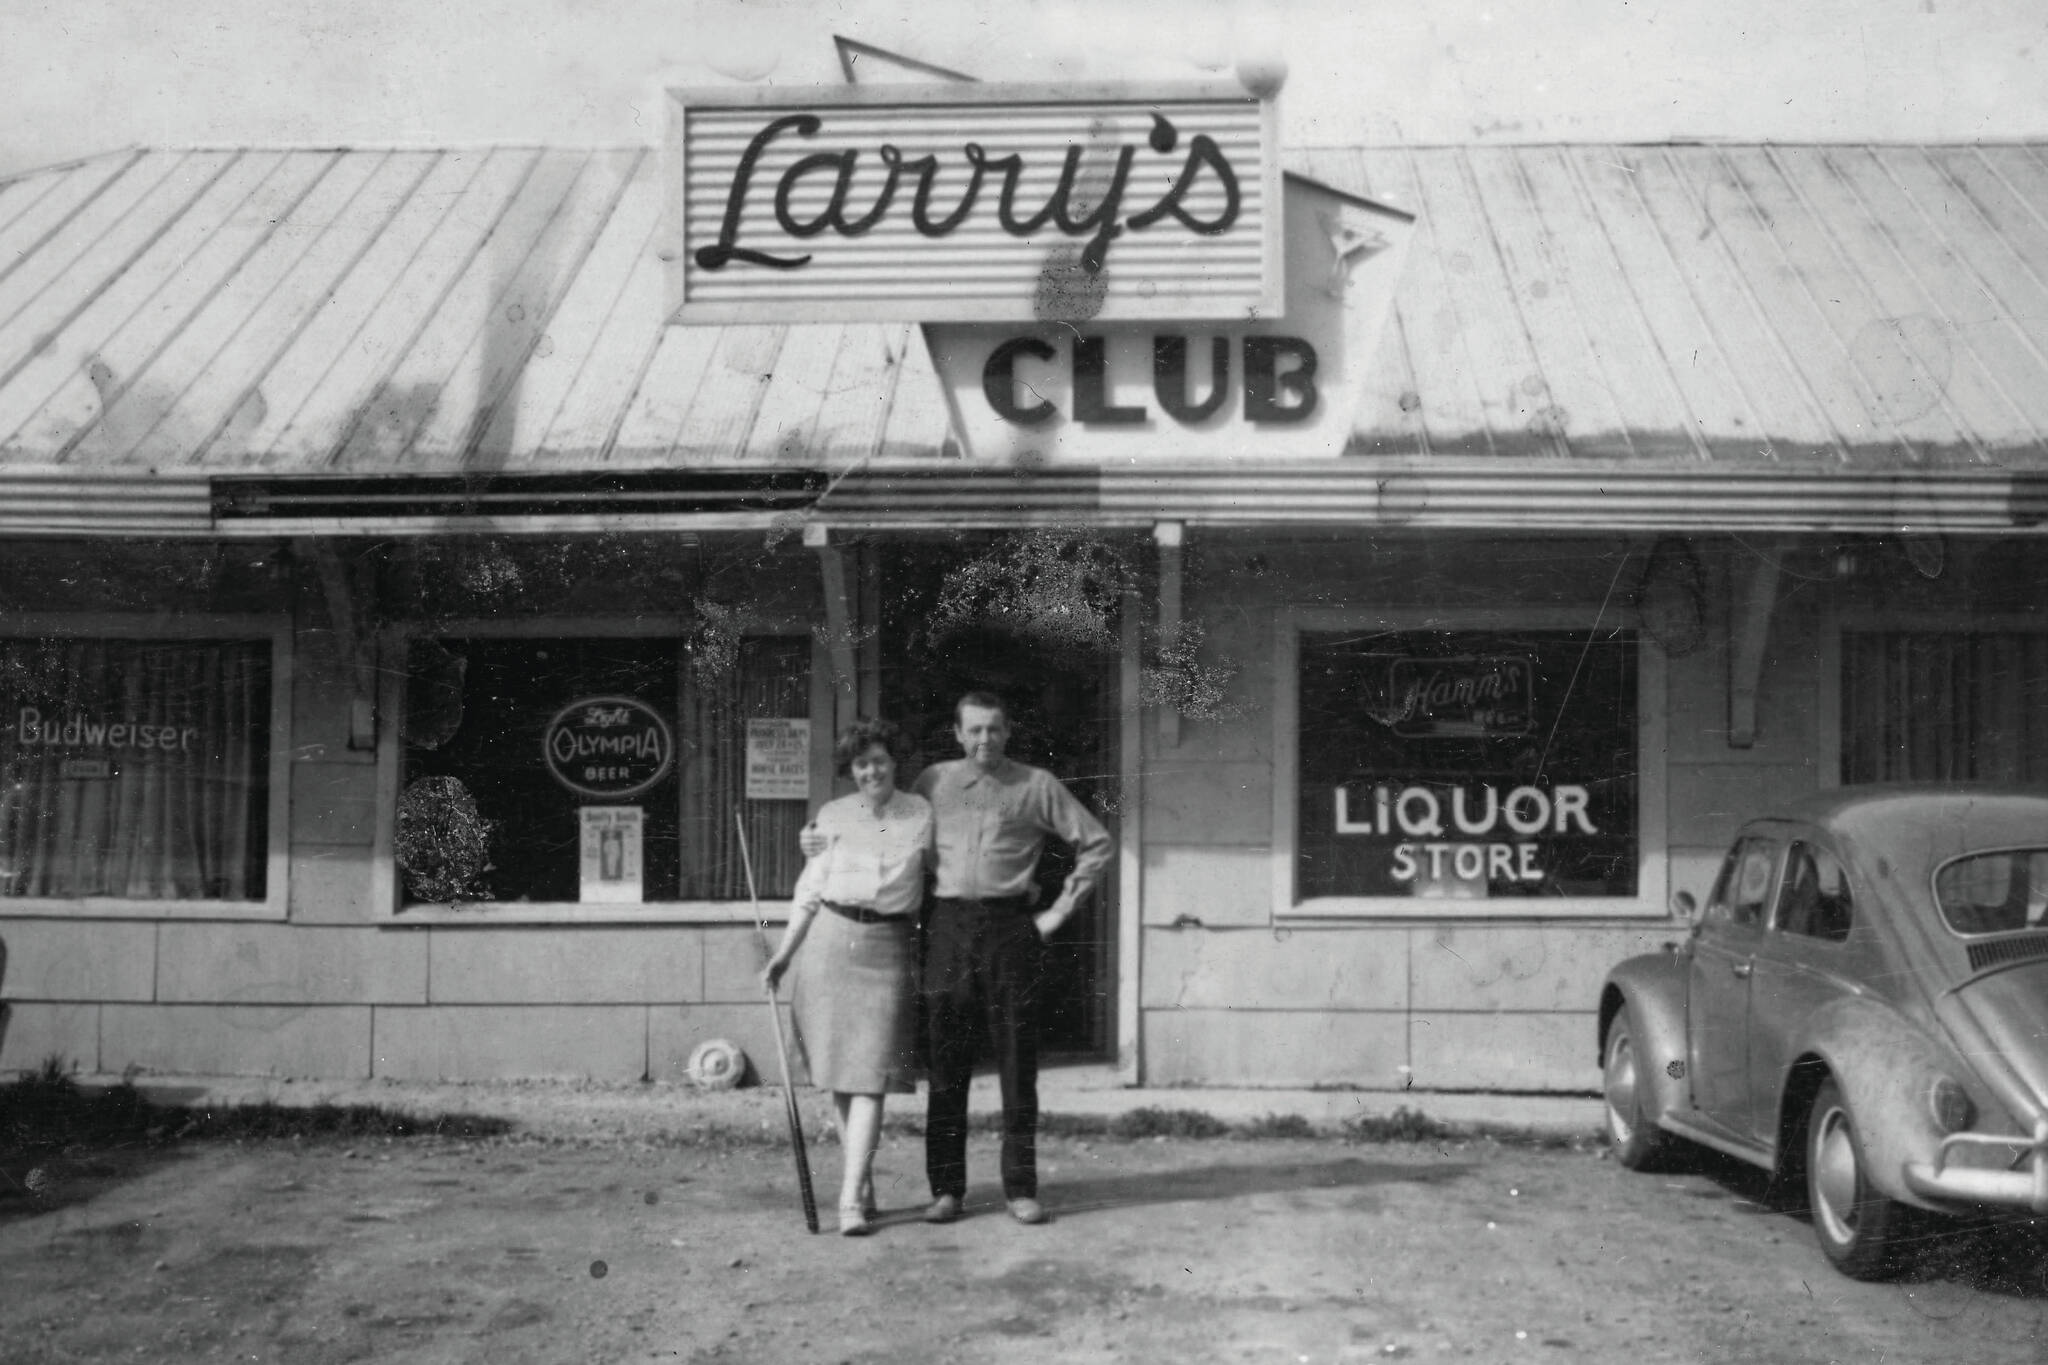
x,y
853,1221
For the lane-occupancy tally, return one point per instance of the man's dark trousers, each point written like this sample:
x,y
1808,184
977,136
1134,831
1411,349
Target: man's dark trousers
x,y
982,969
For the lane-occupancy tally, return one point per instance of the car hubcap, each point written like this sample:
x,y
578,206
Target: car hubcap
x,y
1834,1176
1621,1088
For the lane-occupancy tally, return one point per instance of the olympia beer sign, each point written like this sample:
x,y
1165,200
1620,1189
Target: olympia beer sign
x,y
1101,272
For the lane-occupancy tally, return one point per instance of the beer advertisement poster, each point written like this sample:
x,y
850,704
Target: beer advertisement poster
x,y
610,853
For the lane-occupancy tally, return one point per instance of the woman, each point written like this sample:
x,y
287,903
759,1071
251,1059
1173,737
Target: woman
x,y
855,915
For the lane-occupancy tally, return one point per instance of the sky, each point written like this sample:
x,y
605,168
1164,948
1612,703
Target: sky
x,y
87,76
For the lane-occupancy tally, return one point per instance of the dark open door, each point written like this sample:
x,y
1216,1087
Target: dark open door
x,y
1062,706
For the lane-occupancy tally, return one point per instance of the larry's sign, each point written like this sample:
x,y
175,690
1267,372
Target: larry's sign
x,y
973,203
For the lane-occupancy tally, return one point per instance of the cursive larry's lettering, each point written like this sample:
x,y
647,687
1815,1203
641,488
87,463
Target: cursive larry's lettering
x,y
1078,206
727,249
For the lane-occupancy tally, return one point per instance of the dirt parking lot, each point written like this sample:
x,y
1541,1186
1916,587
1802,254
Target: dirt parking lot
x,y
597,1236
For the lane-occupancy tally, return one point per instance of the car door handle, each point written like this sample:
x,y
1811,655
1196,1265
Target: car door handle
x,y
1741,969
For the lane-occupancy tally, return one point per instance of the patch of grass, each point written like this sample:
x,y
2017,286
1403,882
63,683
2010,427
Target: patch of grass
x,y
1412,1125
265,1121
1049,1125
1277,1127
46,1110
1149,1121
1542,1139
1057,1125
1403,1125
51,1131
1136,1125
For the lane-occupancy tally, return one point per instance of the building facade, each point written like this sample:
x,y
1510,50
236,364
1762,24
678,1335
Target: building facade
x,y
413,643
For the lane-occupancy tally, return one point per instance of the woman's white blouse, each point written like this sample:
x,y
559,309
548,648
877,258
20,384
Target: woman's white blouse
x,y
872,858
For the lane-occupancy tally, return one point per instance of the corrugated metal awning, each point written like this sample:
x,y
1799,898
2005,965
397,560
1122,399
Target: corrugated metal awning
x,y
1584,495
1754,335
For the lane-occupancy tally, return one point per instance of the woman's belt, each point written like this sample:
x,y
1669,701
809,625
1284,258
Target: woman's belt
x,y
861,914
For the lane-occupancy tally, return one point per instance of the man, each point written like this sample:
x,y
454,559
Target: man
x,y
984,945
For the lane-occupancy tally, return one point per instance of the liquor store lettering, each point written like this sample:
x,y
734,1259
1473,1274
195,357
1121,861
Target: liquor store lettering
x,y
1419,814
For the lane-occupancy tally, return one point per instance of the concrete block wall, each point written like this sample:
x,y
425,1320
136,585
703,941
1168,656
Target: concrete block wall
x,y
1229,996
1380,1006
340,1001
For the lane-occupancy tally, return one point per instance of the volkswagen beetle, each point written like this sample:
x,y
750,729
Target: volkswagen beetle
x,y
1861,1005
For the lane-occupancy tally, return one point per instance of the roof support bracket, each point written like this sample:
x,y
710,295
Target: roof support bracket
x,y
1168,535
839,624
348,589
1749,628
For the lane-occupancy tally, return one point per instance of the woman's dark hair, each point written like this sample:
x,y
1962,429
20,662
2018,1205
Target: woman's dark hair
x,y
857,738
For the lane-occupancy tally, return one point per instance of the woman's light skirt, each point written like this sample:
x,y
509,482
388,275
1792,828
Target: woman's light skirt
x,y
855,1011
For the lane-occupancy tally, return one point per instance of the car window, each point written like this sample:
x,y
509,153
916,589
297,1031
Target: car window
x,y
1743,889
1814,900
1994,893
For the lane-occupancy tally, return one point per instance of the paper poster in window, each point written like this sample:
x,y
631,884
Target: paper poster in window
x,y
610,852
778,760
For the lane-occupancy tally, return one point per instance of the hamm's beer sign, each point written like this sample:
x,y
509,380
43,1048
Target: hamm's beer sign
x,y
973,203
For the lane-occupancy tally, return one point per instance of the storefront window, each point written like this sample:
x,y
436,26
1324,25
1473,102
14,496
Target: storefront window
x,y
1467,765
134,769
569,770
1943,706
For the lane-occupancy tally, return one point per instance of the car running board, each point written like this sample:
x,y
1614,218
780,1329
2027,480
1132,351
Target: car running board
x,y
1754,1153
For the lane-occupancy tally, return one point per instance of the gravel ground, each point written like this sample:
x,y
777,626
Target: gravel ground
x,y
614,1225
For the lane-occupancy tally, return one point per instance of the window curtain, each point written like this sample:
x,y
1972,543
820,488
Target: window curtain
x,y
1944,706
770,679
134,770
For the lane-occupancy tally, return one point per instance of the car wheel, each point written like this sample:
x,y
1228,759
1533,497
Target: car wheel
x,y
1860,1230
1639,1144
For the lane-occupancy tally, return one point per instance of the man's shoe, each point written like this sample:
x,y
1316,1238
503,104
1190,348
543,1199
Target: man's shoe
x,y
1027,1211
944,1209
853,1222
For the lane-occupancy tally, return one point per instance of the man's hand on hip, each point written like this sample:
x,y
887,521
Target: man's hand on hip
x,y
1053,916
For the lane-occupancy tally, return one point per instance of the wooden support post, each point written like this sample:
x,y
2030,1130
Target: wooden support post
x,y
839,625
867,657
347,596
1129,903
1749,628
1168,535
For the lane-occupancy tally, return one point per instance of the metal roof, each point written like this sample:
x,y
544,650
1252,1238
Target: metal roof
x,y
1881,305
173,317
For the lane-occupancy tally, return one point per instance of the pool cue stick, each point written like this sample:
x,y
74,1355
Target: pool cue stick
x,y
796,1122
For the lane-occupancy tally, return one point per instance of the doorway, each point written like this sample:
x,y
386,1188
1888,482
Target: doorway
x,y
1062,706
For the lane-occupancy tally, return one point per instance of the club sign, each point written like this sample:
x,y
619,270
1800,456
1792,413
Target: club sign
x,y
1285,382
982,203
